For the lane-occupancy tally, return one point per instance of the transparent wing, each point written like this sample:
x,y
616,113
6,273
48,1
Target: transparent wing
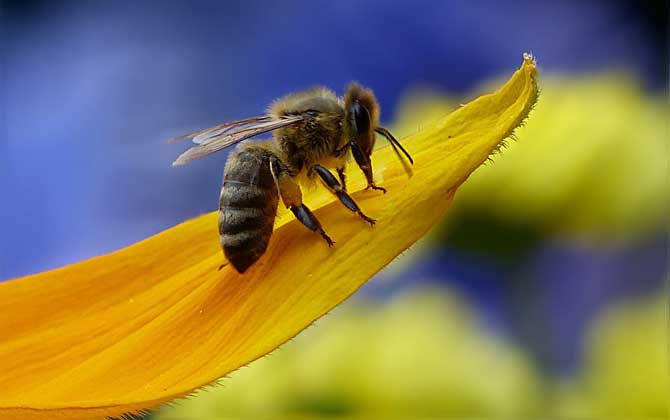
x,y
224,139
202,135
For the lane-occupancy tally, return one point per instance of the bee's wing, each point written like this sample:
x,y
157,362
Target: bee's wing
x,y
202,135
224,139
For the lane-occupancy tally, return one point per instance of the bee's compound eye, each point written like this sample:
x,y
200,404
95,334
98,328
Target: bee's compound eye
x,y
361,117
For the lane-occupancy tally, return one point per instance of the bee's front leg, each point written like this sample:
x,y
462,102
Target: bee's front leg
x,y
363,162
375,187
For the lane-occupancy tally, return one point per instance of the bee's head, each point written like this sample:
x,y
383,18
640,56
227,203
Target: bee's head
x,y
360,125
361,116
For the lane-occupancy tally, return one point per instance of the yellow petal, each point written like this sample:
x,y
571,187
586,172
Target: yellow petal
x,y
152,322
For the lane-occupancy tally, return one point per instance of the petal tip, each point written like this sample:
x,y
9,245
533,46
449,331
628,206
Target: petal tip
x,y
529,58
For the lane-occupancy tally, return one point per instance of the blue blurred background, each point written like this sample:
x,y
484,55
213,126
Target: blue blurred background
x,y
90,90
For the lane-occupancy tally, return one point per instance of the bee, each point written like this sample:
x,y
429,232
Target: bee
x,y
313,132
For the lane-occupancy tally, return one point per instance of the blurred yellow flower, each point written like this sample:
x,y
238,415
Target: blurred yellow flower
x,y
626,365
421,355
155,321
592,164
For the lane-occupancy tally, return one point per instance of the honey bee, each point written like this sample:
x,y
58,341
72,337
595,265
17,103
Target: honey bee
x,y
312,132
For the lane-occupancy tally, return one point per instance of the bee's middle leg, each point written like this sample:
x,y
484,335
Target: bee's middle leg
x,y
343,178
291,195
336,188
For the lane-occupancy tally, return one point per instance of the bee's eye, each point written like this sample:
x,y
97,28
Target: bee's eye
x,y
360,118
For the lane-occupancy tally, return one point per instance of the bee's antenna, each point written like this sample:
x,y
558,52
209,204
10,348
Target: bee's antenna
x,y
394,142
396,145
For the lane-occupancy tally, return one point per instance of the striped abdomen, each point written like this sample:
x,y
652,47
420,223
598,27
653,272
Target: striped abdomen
x,y
247,206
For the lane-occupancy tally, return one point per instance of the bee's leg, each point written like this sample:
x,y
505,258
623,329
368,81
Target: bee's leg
x,y
291,195
333,185
363,162
343,180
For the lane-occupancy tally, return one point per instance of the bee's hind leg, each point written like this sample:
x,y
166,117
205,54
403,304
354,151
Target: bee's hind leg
x,y
336,188
291,195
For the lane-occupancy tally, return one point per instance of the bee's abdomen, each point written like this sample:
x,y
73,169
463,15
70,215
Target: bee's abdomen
x,y
247,206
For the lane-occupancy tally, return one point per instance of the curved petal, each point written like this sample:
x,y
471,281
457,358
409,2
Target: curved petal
x,y
152,322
